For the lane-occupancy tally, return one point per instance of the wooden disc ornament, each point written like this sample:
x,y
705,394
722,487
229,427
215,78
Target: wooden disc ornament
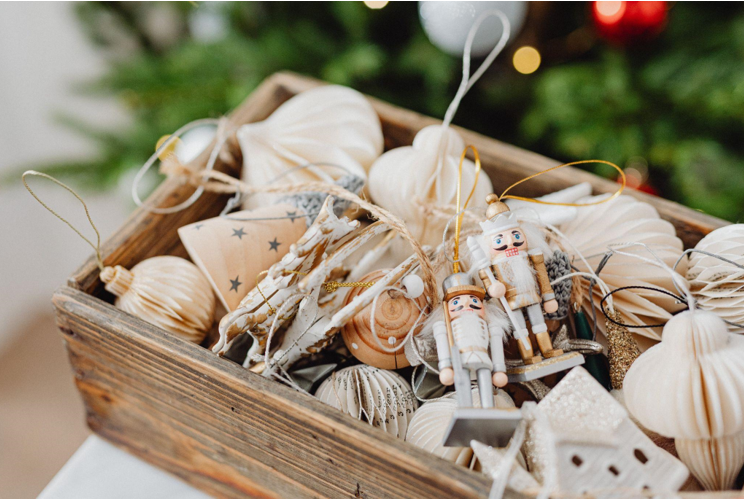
x,y
395,315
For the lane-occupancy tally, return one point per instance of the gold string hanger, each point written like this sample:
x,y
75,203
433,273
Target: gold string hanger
x,y
461,212
97,245
505,196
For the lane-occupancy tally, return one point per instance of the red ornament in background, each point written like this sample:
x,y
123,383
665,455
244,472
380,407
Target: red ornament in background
x,y
628,23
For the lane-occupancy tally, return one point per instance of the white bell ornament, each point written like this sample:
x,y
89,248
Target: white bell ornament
x,y
691,387
331,126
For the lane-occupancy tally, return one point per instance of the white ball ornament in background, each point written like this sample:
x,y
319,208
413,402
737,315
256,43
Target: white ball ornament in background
x,y
718,286
430,422
381,397
169,292
410,180
447,24
330,124
691,387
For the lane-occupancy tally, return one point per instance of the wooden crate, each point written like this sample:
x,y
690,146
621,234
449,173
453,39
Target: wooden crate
x,y
233,433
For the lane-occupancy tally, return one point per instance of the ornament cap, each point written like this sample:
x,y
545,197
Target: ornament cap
x,y
495,206
118,280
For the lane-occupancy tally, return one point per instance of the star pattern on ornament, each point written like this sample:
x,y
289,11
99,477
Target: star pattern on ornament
x,y
239,233
198,226
235,284
293,216
274,245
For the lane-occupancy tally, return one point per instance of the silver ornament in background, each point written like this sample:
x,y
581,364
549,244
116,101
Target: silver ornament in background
x,y
447,24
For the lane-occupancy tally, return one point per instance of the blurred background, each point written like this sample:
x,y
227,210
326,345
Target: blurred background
x,y
88,89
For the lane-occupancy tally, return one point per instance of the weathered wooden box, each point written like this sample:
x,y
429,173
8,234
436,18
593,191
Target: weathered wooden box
x,y
233,433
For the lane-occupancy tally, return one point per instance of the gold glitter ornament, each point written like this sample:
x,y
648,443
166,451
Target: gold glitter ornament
x,y
622,349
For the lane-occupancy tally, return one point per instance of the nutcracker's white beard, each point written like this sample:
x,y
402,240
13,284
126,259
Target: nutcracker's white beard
x,y
518,272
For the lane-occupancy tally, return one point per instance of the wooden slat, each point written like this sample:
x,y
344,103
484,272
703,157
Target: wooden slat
x,y
226,430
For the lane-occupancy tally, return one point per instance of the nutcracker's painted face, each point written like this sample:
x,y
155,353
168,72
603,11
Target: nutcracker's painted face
x,y
507,243
465,303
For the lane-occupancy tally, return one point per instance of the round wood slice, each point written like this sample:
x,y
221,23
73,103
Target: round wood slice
x,y
394,317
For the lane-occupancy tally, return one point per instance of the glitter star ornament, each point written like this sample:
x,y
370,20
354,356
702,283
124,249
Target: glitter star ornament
x,y
581,441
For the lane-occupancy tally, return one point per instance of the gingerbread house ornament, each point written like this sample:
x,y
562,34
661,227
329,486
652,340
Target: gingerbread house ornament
x,y
580,440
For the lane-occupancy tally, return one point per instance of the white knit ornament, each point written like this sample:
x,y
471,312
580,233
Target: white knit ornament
x,y
717,285
691,387
410,181
169,292
331,124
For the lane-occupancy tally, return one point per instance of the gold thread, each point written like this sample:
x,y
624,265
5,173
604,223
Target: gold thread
x,y
97,246
272,311
458,221
505,196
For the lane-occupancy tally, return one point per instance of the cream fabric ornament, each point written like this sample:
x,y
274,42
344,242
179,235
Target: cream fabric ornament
x,y
411,180
626,220
691,387
430,422
382,398
169,292
717,285
330,125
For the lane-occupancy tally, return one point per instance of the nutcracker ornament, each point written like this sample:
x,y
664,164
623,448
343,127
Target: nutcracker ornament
x,y
516,275
470,345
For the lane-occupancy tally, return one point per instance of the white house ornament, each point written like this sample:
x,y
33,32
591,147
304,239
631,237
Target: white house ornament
x,y
411,181
691,387
717,285
580,440
516,275
380,397
169,292
331,126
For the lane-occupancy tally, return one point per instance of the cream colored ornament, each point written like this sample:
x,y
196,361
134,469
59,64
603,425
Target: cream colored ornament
x,y
612,224
232,252
331,124
380,397
717,285
411,181
580,440
691,387
491,460
169,292
430,422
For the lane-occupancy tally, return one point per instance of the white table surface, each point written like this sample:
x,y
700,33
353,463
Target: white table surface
x,y
100,470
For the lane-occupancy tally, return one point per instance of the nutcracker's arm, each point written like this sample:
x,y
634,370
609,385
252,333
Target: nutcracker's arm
x,y
443,347
543,280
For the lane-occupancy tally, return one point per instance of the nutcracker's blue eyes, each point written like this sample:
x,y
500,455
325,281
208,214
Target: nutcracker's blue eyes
x,y
455,302
497,241
475,301
517,236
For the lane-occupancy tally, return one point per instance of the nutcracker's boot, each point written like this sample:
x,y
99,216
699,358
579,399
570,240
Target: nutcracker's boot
x,y
523,337
540,329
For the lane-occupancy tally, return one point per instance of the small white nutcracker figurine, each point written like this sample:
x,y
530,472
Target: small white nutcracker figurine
x,y
517,275
469,344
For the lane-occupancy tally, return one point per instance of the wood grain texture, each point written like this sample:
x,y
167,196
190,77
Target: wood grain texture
x,y
233,433
226,430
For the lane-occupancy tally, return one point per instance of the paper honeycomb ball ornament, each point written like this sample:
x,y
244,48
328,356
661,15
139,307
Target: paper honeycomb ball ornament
x,y
717,285
169,292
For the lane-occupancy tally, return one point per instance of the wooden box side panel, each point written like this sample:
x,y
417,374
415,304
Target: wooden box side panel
x,y
228,431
